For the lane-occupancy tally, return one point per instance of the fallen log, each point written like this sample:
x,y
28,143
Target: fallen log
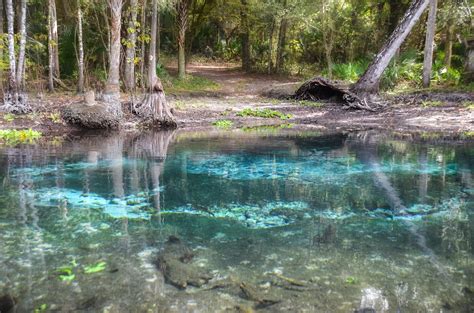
x,y
319,88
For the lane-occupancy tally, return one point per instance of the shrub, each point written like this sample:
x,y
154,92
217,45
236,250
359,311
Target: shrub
x,y
14,137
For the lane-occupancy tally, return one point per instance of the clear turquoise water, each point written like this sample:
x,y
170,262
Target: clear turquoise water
x,y
360,220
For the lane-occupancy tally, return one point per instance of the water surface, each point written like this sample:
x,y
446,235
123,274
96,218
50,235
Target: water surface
x,y
316,222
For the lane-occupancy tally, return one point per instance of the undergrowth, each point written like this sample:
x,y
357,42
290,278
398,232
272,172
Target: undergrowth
x,y
14,137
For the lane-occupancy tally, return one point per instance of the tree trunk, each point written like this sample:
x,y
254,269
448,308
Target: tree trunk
x,y
12,87
282,41
328,36
143,47
245,36
182,7
270,46
370,81
131,47
154,107
51,46
112,88
80,59
448,50
1,46
429,44
21,53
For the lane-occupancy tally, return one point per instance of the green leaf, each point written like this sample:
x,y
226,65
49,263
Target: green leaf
x,y
96,268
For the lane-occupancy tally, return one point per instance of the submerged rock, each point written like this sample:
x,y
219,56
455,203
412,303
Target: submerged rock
x,y
7,303
95,116
175,264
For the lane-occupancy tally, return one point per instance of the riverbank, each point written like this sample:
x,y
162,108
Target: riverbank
x,y
239,100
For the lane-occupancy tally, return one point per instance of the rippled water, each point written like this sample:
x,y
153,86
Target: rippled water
x,y
290,221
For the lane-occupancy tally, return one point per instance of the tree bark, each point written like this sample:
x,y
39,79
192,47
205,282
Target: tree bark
x,y
282,41
448,50
245,36
12,87
143,46
51,44
21,53
182,7
131,47
270,46
1,36
112,88
370,81
429,43
80,59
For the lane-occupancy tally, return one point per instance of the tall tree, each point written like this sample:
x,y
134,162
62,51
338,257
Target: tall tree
x,y
429,43
182,8
143,43
370,81
21,53
112,87
12,95
80,58
154,106
52,44
282,38
131,47
245,35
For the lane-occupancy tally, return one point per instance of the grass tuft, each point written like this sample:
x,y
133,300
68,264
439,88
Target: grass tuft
x,y
265,113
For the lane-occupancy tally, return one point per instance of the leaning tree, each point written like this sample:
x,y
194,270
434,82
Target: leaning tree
x,y
360,94
154,108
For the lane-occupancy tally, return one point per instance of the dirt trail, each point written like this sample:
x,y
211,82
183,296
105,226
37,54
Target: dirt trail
x,y
240,90
237,84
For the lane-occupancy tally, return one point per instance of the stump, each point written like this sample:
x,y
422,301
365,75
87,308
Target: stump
x,y
154,108
16,103
91,114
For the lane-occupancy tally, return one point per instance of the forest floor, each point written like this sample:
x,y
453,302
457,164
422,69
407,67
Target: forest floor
x,y
234,91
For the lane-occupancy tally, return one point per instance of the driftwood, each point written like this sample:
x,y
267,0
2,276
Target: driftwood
x,y
319,88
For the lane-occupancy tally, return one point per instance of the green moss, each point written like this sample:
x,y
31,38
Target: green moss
x,y
223,124
264,113
14,137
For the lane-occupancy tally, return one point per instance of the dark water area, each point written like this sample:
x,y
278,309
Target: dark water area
x,y
234,221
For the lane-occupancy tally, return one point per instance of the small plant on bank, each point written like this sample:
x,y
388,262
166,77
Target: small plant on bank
x,y
9,117
468,105
225,124
13,137
312,104
264,113
55,117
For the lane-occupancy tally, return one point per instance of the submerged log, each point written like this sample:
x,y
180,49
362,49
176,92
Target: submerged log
x,y
319,88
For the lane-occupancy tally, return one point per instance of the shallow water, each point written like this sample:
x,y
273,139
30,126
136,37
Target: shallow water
x,y
316,222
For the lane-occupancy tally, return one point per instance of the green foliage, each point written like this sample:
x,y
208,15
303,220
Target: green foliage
x,y
264,113
55,117
223,124
267,128
349,72
95,268
9,117
66,273
13,137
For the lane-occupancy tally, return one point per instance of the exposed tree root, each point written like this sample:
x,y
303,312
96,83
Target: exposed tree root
x,y
154,109
16,103
319,88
